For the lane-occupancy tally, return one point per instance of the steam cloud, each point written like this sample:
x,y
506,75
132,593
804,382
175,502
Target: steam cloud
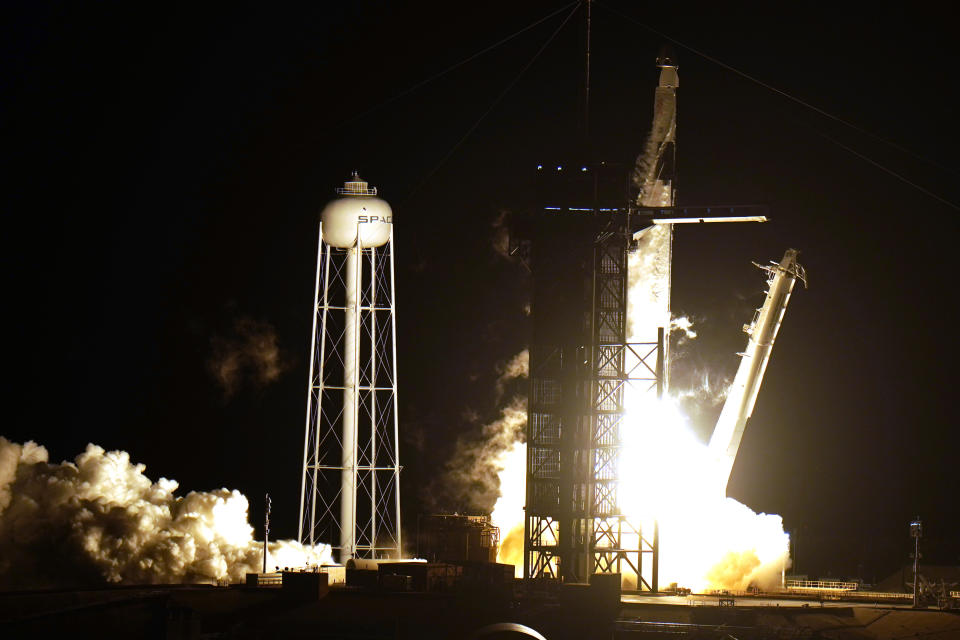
x,y
251,354
99,519
682,326
470,480
516,367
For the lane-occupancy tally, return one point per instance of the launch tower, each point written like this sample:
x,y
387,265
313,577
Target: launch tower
x,y
590,357
350,488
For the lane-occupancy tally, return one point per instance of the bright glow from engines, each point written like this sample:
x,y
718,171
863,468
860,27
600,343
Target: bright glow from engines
x,y
707,541
508,512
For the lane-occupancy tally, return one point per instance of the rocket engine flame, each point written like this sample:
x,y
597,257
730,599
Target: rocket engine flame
x,y
707,541
100,519
666,473
508,512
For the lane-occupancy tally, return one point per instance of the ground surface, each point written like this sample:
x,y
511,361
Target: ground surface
x,y
174,612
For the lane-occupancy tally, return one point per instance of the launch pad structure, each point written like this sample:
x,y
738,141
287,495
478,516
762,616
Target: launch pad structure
x,y
581,365
585,358
583,362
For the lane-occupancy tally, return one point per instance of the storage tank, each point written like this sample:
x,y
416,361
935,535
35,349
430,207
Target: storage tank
x,y
357,219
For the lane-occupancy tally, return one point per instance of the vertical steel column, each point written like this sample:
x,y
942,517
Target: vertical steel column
x,y
655,574
916,531
661,346
373,396
396,430
310,385
351,384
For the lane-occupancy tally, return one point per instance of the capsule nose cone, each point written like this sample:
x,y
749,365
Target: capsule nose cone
x,y
666,57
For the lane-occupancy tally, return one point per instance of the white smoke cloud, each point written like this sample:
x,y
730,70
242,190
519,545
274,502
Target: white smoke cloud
x,y
100,519
516,367
699,385
470,479
682,326
250,354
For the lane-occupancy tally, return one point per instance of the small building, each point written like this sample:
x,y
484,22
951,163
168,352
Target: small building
x,y
457,538
419,576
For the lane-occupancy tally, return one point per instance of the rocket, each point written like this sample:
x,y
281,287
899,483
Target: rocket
x,y
653,174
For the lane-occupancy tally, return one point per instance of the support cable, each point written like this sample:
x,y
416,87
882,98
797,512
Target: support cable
x,y
439,75
492,106
780,92
887,170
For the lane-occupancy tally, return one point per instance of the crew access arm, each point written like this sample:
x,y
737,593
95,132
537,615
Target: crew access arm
x,y
742,395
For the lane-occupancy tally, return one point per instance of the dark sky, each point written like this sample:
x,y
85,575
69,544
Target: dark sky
x,y
170,163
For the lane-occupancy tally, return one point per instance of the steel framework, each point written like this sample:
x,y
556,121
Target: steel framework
x,y
617,365
352,370
574,524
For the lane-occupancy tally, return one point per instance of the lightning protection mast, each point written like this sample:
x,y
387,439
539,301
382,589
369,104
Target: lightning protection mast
x,y
350,488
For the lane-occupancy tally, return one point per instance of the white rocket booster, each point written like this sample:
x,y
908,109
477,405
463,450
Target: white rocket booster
x,y
762,331
650,259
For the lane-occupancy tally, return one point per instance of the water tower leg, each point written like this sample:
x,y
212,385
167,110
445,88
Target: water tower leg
x,y
348,456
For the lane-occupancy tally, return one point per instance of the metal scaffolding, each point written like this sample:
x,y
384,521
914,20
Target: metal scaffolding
x,y
574,525
581,369
350,491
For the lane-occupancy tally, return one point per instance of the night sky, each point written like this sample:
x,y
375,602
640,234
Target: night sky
x,y
170,162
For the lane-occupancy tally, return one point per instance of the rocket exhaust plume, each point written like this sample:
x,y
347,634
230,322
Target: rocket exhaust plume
x,y
666,473
99,519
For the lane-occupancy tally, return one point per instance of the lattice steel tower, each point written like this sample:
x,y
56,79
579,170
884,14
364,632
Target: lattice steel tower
x,y
350,488
589,359
584,366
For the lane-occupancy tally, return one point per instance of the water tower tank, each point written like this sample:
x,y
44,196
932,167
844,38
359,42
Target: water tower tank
x,y
358,218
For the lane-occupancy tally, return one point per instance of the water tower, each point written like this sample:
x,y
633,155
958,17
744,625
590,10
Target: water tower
x,y
350,492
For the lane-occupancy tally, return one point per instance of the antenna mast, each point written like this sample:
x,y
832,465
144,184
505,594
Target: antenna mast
x,y
586,101
266,532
